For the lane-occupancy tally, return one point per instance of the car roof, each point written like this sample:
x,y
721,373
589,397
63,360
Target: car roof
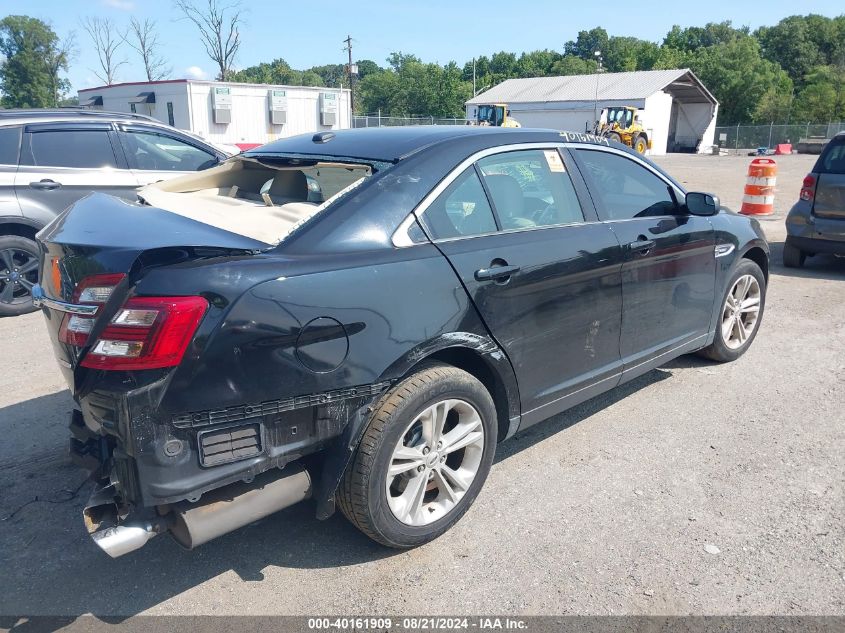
x,y
392,144
19,116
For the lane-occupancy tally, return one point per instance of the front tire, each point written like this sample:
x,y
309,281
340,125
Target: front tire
x,y
741,314
614,137
792,256
423,458
18,274
641,144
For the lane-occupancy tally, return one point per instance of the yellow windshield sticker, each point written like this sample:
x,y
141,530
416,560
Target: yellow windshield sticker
x,y
554,161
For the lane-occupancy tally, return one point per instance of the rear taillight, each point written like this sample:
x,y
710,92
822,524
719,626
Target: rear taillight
x,y
147,333
93,290
808,188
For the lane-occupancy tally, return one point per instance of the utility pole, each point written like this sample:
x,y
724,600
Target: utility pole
x,y
350,70
473,77
596,100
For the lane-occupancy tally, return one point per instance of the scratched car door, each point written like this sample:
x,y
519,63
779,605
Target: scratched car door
x,y
543,274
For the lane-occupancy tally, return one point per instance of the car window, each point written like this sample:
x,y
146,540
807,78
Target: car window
x,y
530,188
833,161
160,152
625,188
461,210
10,145
84,149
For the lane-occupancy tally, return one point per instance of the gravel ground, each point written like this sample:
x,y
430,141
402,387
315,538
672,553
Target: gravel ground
x,y
696,489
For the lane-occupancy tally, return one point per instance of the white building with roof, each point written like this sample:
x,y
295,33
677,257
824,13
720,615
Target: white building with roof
x,y
226,112
676,109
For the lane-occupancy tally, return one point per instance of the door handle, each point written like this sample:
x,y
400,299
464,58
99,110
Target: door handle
x,y
45,184
495,272
642,246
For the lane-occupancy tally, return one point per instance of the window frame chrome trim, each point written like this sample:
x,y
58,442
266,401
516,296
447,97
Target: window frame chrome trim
x,y
402,239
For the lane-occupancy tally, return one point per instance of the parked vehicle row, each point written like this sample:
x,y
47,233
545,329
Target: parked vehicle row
x,y
49,159
361,316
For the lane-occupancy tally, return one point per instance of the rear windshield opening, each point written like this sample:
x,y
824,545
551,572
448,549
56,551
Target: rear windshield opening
x,y
264,198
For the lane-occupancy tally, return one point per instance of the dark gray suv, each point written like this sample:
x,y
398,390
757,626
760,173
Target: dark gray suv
x,y
816,223
52,158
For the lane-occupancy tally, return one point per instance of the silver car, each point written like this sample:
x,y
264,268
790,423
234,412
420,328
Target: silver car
x,y
816,223
52,158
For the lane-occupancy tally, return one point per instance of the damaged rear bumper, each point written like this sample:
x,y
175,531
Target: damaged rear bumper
x,y
198,477
118,530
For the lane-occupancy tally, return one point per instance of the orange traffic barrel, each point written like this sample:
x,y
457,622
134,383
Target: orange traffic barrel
x,y
759,196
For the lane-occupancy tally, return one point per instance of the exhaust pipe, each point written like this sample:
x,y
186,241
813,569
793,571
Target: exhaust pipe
x,y
122,539
191,524
235,506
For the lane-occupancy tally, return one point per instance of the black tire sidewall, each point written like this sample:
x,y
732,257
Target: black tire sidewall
x,y
464,387
720,350
645,144
24,244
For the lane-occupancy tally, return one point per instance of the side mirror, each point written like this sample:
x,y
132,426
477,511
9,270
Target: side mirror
x,y
698,203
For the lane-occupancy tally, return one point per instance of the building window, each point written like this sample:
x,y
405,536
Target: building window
x,y
170,120
132,108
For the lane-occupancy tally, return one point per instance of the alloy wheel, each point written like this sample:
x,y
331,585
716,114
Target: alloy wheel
x,y
435,462
18,274
741,311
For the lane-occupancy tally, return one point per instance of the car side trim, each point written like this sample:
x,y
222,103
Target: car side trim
x,y
39,299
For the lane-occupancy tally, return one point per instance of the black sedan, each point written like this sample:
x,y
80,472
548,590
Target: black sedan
x,y
361,316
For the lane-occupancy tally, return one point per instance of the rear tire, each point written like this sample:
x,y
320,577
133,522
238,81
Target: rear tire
x,y
396,490
793,257
741,313
18,273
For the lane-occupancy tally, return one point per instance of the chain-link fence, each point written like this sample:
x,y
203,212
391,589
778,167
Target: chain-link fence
x,y
753,136
377,120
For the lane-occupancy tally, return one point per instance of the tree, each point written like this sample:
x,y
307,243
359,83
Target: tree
x,y
625,54
823,96
695,37
572,65
57,61
34,59
790,44
737,76
107,40
587,43
144,40
410,87
219,27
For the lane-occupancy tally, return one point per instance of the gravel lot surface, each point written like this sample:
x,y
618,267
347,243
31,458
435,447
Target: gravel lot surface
x,y
696,489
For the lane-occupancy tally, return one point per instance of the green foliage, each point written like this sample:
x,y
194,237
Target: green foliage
x,y
29,77
410,87
738,77
572,65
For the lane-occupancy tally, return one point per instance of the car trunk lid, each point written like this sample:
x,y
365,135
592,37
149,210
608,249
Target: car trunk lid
x,y
95,251
829,197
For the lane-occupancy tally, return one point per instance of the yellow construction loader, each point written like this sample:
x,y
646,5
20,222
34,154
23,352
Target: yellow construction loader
x,y
495,115
622,124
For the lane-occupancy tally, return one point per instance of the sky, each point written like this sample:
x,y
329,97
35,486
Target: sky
x,y
307,33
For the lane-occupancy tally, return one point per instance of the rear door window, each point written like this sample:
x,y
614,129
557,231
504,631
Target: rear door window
x,y
10,145
530,188
461,210
161,152
833,160
82,149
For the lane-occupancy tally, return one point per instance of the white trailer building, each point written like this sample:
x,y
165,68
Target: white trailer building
x,y
224,112
677,110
